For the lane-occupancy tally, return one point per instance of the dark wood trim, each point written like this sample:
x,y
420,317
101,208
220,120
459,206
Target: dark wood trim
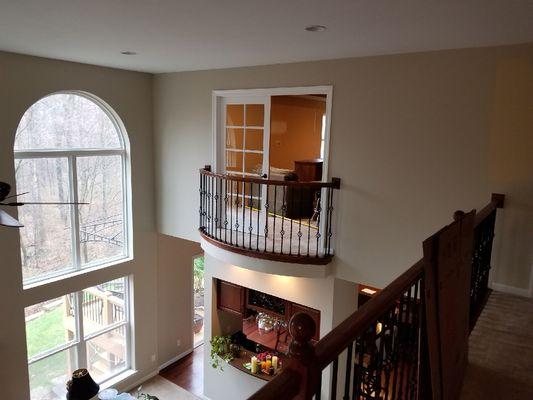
x,y
284,386
497,201
336,341
294,259
335,182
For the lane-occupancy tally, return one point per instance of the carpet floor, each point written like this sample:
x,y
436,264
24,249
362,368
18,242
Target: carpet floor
x,y
501,351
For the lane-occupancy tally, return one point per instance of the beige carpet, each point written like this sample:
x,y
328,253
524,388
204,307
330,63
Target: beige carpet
x,y
501,351
164,390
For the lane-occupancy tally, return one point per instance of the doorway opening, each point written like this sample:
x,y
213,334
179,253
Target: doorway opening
x,y
276,135
198,300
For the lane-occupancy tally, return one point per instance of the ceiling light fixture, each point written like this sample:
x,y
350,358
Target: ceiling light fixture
x,y
128,53
315,28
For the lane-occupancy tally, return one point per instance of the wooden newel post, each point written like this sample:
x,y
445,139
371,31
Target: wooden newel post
x,y
207,168
458,215
302,355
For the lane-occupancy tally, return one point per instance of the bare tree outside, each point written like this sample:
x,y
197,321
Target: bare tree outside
x,y
68,122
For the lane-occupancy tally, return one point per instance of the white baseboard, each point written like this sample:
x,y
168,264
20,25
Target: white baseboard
x,y
140,381
174,359
511,289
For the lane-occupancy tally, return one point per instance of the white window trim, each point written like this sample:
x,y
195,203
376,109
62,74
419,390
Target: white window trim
x,y
71,155
79,344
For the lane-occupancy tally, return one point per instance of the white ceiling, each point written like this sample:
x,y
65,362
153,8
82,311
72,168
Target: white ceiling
x,y
174,35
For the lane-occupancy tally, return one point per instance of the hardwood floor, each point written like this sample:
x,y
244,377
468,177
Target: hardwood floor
x,y
188,372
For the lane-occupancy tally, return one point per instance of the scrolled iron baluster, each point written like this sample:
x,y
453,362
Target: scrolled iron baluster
x,y
283,214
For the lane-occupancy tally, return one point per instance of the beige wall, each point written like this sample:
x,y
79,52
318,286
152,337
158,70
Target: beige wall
x,y
24,80
413,138
174,296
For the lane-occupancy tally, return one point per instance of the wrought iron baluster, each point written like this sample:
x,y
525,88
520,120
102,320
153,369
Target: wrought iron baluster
x,y
237,215
243,203
318,219
267,207
291,193
334,372
250,227
258,214
309,231
299,234
216,208
283,214
404,342
226,211
231,212
329,231
201,199
348,373
274,220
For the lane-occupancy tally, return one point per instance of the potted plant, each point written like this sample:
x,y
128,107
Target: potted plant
x,y
220,351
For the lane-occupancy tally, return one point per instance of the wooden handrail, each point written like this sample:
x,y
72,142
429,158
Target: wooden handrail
x,y
336,341
497,201
283,387
335,182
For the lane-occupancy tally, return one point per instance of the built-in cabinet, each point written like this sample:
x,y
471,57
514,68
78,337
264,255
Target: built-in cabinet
x,y
245,302
231,297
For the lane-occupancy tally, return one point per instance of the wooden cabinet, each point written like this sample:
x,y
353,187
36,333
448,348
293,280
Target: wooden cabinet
x,y
231,297
315,314
309,170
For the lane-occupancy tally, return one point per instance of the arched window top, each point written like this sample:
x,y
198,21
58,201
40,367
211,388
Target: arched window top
x,y
66,121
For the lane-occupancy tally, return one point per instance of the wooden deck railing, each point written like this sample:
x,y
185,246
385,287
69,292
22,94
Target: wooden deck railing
x,y
410,340
278,220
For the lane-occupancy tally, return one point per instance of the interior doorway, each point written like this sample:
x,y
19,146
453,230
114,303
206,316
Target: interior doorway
x,y
198,300
275,135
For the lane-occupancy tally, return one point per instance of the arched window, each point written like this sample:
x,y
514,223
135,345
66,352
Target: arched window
x,y
71,147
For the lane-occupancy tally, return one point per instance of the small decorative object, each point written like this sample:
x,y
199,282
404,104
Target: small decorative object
x,y
108,394
220,351
275,364
145,396
81,386
255,365
235,350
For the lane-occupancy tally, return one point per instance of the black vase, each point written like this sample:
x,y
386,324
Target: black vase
x,y
81,386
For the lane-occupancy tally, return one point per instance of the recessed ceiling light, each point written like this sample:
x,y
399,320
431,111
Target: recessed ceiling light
x,y
315,28
128,53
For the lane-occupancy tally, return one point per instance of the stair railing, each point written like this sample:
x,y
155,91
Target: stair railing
x,y
398,345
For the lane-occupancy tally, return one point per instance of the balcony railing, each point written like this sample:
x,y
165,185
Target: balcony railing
x,y
288,221
410,341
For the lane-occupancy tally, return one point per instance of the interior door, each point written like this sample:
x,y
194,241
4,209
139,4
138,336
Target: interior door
x,y
244,136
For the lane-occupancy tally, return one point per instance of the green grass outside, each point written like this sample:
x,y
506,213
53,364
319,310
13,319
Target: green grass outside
x,y
44,333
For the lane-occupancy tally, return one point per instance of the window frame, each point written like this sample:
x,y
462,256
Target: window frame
x,y
79,343
72,155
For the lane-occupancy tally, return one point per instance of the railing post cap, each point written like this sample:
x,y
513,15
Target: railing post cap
x,y
302,327
458,215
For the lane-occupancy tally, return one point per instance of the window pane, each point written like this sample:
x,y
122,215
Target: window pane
x,y
234,138
49,324
103,305
254,139
106,354
49,376
235,115
46,242
101,221
253,163
66,121
234,161
255,114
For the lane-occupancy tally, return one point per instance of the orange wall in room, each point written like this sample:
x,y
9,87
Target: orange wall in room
x,y
295,127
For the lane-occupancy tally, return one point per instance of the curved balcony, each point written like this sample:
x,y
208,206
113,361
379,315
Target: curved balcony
x,y
279,220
